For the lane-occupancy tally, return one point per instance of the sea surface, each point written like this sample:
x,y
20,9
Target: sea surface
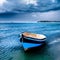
x,y
11,48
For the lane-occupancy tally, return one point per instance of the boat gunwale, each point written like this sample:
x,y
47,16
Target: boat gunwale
x,y
35,39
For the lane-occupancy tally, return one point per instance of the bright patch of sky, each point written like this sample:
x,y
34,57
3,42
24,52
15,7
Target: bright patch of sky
x,y
53,1
2,2
34,2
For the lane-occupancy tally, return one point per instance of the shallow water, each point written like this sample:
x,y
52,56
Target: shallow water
x,y
11,48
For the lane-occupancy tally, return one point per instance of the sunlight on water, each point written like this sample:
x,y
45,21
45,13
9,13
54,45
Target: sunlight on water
x,y
55,41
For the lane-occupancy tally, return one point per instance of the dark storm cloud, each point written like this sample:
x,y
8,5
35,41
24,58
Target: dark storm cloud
x,y
29,5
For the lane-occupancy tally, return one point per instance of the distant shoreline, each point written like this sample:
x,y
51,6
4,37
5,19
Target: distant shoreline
x,y
48,21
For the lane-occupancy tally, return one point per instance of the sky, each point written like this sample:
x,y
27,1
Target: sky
x,y
28,5
36,10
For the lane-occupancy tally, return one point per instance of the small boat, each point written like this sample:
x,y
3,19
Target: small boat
x,y
30,40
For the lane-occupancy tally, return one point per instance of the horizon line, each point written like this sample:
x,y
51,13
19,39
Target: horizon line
x,y
25,21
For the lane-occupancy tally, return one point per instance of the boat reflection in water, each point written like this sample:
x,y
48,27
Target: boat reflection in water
x,y
30,40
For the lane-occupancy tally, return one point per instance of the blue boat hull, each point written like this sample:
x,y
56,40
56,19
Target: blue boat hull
x,y
28,46
29,43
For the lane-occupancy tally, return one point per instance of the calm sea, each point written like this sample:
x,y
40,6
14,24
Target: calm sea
x,y
11,48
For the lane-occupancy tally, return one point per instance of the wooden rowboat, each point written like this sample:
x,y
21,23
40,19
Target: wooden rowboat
x,y
30,40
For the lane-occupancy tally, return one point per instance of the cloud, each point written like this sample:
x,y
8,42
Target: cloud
x,y
34,2
28,5
2,2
